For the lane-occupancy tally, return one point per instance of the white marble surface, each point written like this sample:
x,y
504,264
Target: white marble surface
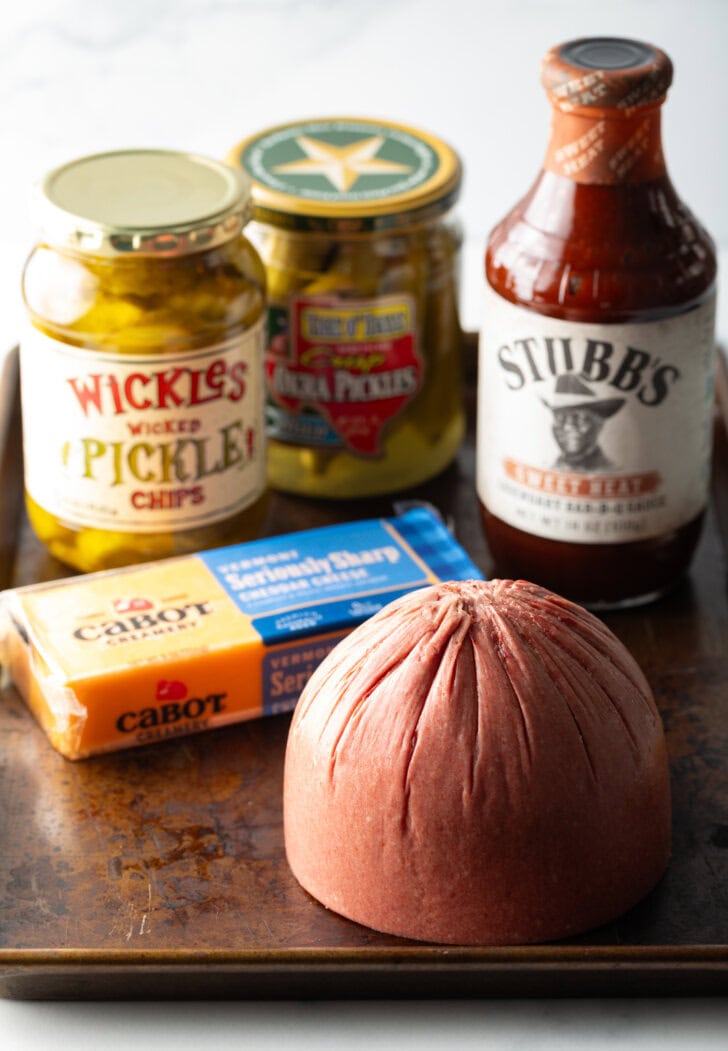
x,y
78,76
559,1025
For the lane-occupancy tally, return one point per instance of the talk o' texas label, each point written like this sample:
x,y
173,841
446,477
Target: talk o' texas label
x,y
353,362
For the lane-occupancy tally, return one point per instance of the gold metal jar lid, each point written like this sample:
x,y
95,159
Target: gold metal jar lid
x,y
348,174
145,202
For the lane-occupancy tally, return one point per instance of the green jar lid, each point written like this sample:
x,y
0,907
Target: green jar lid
x,y
348,173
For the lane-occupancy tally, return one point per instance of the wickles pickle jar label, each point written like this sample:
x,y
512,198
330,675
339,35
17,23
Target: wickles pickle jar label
x,y
594,433
339,370
143,442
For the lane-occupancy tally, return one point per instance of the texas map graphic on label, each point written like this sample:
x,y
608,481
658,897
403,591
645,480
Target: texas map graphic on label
x,y
355,362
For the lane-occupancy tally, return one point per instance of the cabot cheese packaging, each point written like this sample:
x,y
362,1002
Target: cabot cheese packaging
x,y
128,657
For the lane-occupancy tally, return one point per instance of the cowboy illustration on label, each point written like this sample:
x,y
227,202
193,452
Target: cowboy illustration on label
x,y
579,417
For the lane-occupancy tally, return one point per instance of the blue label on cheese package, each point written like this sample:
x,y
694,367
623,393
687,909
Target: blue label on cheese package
x,y
315,581
324,582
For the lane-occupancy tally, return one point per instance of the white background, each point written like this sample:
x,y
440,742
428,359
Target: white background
x,y
80,76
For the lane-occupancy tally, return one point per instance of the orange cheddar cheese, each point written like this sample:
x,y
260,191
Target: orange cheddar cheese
x,y
133,656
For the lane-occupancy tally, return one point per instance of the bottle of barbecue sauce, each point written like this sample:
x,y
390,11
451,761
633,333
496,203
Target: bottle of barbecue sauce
x,y
597,349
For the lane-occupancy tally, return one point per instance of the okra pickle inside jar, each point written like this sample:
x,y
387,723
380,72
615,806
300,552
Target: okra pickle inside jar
x,y
354,221
141,368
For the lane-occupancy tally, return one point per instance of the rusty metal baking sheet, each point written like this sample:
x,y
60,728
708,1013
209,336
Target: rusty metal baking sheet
x,y
160,872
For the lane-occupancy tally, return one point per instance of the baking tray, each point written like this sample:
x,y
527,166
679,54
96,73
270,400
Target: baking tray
x,y
160,872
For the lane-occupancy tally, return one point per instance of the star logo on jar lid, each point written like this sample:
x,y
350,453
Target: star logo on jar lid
x,y
342,165
348,173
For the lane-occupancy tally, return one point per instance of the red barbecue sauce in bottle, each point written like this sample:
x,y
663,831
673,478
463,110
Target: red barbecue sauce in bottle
x,y
597,349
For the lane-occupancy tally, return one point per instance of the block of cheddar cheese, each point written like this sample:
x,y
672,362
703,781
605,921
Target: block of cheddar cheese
x,y
132,656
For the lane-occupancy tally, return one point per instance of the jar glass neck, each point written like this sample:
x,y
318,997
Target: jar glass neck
x,y
606,147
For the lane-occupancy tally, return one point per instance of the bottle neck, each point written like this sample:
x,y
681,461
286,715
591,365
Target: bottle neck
x,y
608,147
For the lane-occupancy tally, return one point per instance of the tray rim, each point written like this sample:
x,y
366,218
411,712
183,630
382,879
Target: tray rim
x,y
714,953
516,972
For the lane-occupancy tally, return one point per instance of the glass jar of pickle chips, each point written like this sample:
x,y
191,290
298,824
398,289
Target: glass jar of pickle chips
x,y
142,366
353,219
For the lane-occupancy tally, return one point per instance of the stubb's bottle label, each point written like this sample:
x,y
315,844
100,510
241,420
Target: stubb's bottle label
x,y
594,433
141,442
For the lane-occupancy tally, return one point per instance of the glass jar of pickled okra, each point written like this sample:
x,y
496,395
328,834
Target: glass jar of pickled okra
x,y
142,366
353,219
